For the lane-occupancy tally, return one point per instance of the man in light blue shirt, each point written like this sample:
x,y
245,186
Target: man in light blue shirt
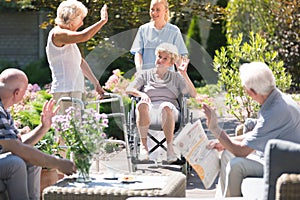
x,y
278,118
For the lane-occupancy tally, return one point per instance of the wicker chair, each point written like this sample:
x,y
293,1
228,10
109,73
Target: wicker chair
x,y
281,173
288,186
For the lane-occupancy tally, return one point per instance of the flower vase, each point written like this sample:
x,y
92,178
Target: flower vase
x,y
83,164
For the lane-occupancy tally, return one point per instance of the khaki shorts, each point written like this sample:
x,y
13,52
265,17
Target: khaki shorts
x,y
66,104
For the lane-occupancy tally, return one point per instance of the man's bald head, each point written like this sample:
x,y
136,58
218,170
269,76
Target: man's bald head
x,y
12,79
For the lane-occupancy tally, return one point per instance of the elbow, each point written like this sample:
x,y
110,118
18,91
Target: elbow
x,y
193,93
128,91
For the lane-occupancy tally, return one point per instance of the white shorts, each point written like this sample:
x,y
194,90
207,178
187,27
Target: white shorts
x,y
155,111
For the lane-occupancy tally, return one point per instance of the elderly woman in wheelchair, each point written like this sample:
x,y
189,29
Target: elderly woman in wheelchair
x,y
159,89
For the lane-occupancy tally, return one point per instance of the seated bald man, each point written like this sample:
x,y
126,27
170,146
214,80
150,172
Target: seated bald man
x,y
20,162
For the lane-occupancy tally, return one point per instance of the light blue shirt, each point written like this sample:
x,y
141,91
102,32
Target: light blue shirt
x,y
148,38
278,118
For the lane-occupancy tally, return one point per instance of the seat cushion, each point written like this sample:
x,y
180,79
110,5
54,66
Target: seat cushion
x,y
253,188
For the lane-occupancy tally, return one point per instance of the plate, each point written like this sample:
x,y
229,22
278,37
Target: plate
x,y
127,179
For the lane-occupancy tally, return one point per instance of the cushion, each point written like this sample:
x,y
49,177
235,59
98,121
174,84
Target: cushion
x,y
253,188
280,157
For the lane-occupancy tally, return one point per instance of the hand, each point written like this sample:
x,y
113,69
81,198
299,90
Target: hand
x,y
182,67
67,167
48,113
145,98
24,130
212,121
99,90
215,144
104,14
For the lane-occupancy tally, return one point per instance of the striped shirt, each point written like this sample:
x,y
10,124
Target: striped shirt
x,y
8,131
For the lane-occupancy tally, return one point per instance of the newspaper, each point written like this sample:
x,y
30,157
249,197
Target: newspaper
x,y
192,142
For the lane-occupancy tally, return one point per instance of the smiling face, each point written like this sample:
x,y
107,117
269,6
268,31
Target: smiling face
x,y
158,11
163,59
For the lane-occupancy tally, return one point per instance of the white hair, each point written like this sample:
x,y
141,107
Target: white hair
x,y
168,48
68,10
257,76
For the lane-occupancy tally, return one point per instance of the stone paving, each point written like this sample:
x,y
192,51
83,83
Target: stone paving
x,y
119,164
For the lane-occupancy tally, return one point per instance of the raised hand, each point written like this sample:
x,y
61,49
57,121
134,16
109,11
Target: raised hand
x,y
182,67
212,121
104,14
48,112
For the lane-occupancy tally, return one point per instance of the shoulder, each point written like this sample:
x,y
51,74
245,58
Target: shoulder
x,y
143,73
176,76
145,26
172,27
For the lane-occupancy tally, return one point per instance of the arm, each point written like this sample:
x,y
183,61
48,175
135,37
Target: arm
x,y
36,157
133,88
36,134
86,70
64,36
138,61
235,146
137,93
182,69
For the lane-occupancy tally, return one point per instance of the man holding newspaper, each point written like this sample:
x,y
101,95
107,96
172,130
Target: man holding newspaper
x,y
243,155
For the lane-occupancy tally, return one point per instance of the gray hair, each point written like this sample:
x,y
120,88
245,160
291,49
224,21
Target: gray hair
x,y
68,10
257,76
168,48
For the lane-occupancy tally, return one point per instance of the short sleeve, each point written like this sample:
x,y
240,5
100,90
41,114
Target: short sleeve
x,y
179,42
138,43
7,129
139,81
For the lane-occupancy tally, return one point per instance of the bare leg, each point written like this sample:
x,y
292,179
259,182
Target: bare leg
x,y
168,125
143,122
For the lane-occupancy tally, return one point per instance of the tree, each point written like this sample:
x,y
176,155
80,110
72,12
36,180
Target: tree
x,y
245,16
286,38
193,31
276,20
227,62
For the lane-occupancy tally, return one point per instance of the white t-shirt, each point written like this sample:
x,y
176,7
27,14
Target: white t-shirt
x,y
64,63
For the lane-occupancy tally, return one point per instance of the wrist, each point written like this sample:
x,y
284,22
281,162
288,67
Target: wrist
x,y
216,132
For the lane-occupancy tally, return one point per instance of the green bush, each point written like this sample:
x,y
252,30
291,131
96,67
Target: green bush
x,y
227,62
38,72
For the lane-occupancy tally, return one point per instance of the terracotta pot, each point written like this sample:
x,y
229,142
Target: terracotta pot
x,y
48,177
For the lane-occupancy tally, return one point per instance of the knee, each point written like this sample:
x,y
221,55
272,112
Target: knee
x,y
167,112
234,167
17,166
19,163
143,108
143,114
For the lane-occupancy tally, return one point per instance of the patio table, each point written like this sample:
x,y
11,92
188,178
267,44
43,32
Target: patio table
x,y
147,185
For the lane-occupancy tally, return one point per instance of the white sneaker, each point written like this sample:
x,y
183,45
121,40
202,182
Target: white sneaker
x,y
171,156
144,155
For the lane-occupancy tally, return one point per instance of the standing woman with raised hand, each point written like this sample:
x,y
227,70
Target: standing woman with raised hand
x,y
153,33
67,65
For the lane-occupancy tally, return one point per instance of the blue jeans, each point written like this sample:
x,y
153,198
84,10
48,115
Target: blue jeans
x,y
20,180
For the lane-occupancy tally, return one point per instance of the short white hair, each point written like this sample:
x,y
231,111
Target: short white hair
x,y
257,76
169,48
68,10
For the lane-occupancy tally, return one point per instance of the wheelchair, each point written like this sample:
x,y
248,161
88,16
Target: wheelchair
x,y
157,142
